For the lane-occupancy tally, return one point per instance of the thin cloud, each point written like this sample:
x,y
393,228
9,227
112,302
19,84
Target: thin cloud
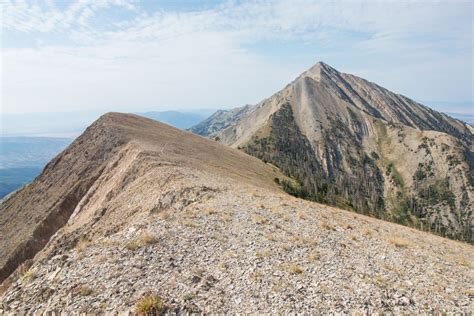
x,y
87,54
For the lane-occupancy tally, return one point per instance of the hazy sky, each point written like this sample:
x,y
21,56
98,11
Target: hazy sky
x,y
127,55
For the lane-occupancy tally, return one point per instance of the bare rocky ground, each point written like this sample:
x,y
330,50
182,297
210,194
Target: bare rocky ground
x,y
205,243
206,228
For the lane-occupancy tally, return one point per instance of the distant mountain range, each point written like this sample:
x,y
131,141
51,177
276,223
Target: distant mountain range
x,y
353,144
72,124
178,119
465,117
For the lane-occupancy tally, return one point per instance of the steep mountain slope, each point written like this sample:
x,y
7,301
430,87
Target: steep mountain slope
x,y
352,143
136,209
115,142
219,121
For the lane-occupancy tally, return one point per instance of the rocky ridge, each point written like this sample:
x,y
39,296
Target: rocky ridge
x,y
207,229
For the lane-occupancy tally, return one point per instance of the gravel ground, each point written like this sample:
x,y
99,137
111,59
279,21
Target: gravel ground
x,y
205,243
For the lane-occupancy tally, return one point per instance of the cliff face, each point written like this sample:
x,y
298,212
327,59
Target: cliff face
x,y
354,144
136,211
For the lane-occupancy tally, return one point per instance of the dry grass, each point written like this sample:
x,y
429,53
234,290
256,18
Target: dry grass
x,y
399,242
292,268
327,226
469,292
29,275
279,286
145,239
381,281
189,223
148,239
259,219
209,211
219,237
226,218
271,237
82,245
286,247
256,275
84,290
302,215
367,232
150,305
460,259
308,241
164,215
313,256
399,272
103,305
110,243
232,254
191,213
224,267
189,297
347,226
277,211
323,288
199,271
133,245
262,254
99,259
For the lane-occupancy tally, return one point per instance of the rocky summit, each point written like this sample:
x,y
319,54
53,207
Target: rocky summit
x,y
139,217
353,144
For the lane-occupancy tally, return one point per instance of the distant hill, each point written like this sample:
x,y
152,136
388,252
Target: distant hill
x,y
182,120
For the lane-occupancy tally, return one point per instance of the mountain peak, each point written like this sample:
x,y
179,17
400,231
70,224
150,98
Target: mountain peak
x,y
322,64
338,122
317,71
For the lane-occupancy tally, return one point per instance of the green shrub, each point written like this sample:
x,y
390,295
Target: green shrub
x,y
294,189
150,305
396,176
438,192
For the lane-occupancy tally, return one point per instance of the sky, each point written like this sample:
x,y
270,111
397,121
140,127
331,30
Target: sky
x,y
126,55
